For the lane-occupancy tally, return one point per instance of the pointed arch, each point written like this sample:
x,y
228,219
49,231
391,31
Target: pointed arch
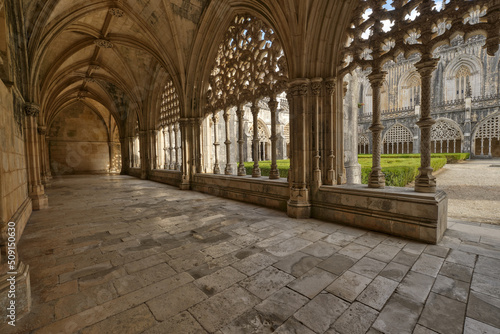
x,y
398,139
486,137
463,73
446,136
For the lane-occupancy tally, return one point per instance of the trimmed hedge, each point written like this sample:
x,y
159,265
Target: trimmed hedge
x,y
399,169
400,176
450,157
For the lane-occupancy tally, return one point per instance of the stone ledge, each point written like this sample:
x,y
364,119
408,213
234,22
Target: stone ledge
x,y
170,177
396,211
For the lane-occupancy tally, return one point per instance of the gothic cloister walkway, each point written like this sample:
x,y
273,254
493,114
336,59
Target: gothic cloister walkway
x,y
115,254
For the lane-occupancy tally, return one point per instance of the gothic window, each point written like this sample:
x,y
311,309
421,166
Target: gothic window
x,y
286,133
462,81
446,137
398,139
169,108
170,133
487,137
411,90
363,144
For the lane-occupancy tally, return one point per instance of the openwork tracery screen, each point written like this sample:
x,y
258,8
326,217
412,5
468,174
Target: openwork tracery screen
x,y
169,135
487,132
169,109
398,140
250,65
446,137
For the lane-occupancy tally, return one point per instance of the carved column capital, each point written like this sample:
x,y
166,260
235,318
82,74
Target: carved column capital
x,y
299,87
42,130
32,109
376,78
331,85
316,85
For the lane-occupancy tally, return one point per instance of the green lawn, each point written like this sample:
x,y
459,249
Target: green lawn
x,y
399,169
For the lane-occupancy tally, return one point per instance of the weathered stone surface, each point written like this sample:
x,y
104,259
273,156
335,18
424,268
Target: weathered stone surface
x,y
321,249
181,323
456,271
174,302
357,319
219,281
297,264
442,314
398,307
428,265
368,267
451,288
281,305
348,286
354,250
416,286
222,308
266,282
340,239
321,312
473,326
337,264
312,282
378,292
254,263
488,266
484,308
395,271
486,284
383,252
292,326
131,321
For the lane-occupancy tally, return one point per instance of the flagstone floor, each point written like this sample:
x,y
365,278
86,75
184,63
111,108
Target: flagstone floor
x,y
115,254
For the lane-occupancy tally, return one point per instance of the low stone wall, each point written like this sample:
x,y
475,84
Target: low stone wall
x,y
135,172
170,177
261,191
393,210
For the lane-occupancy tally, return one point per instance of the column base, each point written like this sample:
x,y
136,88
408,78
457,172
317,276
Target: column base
x,y
228,170
256,172
39,201
274,174
376,179
216,169
22,295
242,170
298,205
425,181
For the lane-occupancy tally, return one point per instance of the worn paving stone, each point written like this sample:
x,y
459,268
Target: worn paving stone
x,y
405,258
266,282
249,322
321,312
473,327
428,265
254,263
312,282
368,267
221,309
442,314
484,308
349,285
371,239
456,271
337,264
340,239
281,305
416,286
221,249
181,323
297,264
383,252
395,271
176,301
357,319
321,249
451,288
219,280
415,247
292,326
397,308
436,250
354,250
288,247
378,292
486,284
488,266
131,321
312,235
463,258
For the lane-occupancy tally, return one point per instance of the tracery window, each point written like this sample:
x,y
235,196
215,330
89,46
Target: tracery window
x,y
412,91
135,161
363,144
487,137
462,81
169,134
398,139
446,137
250,66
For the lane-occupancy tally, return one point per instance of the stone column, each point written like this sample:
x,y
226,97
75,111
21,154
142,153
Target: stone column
x,y
111,151
376,178
255,141
125,150
329,148
46,176
274,173
316,85
229,169
241,166
199,151
353,168
467,144
339,133
425,181
298,205
215,120
36,190
152,148
165,149
47,158
177,146
131,151
171,146
143,154
184,126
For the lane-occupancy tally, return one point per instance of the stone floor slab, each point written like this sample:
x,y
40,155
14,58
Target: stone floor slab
x,y
443,315
357,319
313,282
321,312
348,286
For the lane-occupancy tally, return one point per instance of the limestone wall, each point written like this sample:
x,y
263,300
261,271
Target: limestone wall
x,y
13,177
79,142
